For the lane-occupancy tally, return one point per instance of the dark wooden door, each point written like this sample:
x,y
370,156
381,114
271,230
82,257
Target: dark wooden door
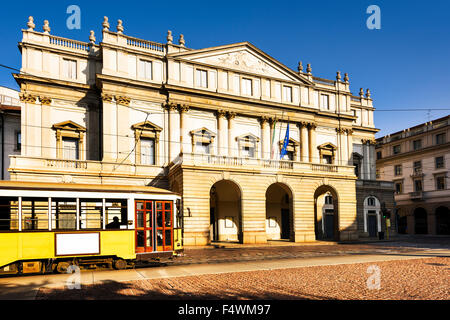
x,y
373,228
144,225
329,226
164,225
285,224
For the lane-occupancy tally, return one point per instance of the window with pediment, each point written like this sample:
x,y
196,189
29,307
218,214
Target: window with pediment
x,y
357,162
248,145
70,140
291,149
327,153
202,141
147,142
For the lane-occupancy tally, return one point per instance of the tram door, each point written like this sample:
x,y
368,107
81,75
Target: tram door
x,y
154,225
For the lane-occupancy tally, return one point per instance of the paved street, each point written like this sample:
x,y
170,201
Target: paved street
x,y
410,268
400,279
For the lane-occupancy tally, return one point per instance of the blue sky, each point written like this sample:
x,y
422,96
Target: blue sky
x,y
406,64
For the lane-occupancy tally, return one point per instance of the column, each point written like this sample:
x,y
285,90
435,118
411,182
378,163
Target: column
x,y
340,146
109,123
350,146
265,137
46,132
124,143
313,151
174,135
222,132
272,130
366,160
231,145
304,145
184,145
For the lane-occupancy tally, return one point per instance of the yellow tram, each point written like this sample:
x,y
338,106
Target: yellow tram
x,y
49,226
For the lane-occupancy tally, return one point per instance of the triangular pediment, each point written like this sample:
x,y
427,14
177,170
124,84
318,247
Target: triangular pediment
x,y
146,125
242,57
327,145
248,136
291,142
203,132
68,125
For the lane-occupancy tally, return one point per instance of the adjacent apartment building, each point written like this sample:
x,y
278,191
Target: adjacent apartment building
x,y
10,137
206,123
417,160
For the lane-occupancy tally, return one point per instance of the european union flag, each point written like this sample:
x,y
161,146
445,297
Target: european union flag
x,y
285,143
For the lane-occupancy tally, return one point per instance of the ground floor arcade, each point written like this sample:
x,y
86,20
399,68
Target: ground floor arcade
x,y
424,218
252,207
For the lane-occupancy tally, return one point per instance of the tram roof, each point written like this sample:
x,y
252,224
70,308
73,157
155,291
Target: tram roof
x,y
24,185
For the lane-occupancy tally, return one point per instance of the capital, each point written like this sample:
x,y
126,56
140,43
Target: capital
x,y
264,120
107,97
27,97
231,115
221,113
183,108
46,101
122,100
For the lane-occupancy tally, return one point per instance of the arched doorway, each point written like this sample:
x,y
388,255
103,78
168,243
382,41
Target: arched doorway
x,y
372,217
402,222
326,214
420,221
225,212
443,220
279,209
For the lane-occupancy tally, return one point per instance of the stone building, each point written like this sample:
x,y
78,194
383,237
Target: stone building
x,y
206,123
417,160
10,137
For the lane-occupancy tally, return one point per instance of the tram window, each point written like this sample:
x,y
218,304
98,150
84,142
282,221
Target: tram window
x,y
91,213
9,214
34,214
168,237
140,238
117,208
149,238
64,214
159,238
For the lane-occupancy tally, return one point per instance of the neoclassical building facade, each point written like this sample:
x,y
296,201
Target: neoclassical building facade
x,y
206,123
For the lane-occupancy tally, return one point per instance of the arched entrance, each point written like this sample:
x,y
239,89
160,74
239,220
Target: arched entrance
x,y
326,214
279,209
225,212
443,220
372,217
420,221
402,222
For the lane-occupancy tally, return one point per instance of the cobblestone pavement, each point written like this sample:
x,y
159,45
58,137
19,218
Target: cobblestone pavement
x,y
223,252
426,278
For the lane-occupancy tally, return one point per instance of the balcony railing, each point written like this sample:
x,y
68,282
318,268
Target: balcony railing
x,y
196,159
416,195
80,167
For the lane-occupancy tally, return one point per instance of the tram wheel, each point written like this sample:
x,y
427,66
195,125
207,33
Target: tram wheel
x,y
62,267
120,264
